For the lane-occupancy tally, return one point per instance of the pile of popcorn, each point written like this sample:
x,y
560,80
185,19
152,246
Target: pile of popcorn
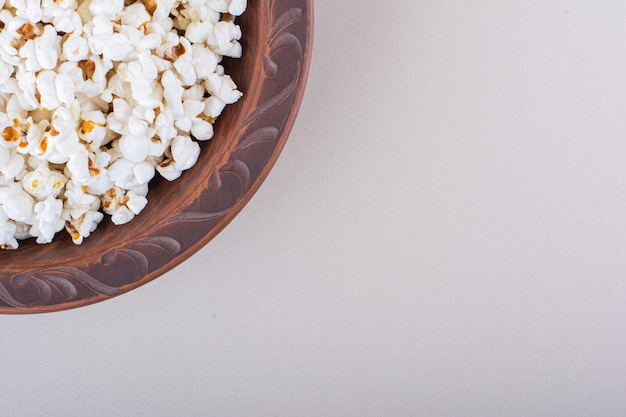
x,y
96,97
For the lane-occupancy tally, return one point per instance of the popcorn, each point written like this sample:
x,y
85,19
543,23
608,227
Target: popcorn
x,y
47,48
75,49
98,97
48,219
223,39
121,205
43,183
7,235
16,203
184,152
106,8
82,226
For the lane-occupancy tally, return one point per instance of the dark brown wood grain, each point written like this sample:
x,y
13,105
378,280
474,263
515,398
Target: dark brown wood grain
x,y
184,215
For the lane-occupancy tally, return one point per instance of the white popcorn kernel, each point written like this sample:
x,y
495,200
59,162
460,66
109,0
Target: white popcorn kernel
x,y
137,126
136,203
10,135
195,92
75,73
186,71
122,206
78,166
237,7
47,48
16,203
191,108
53,8
46,87
198,32
75,49
161,9
172,93
14,167
201,129
81,227
115,87
223,39
121,173
43,183
168,170
48,220
27,9
143,172
106,8
204,61
157,149
68,22
141,76
26,82
117,47
204,11
100,183
134,148
64,86
140,190
92,129
223,88
148,41
185,152
135,15
7,238
164,124
33,10
13,106
148,68
161,63
122,215
22,230
78,201
7,235
213,107
6,70
27,51
94,73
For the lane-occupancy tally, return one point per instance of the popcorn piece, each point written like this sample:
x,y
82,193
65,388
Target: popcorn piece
x,y
48,219
81,227
185,153
106,8
7,235
47,48
43,183
78,201
223,39
222,87
75,49
16,203
122,206
237,7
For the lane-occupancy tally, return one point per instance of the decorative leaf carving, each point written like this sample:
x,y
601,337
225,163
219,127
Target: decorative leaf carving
x,y
263,134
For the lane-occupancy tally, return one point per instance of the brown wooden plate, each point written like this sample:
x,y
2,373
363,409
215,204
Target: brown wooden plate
x,y
182,216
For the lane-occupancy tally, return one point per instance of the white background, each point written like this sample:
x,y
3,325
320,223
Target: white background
x,y
443,235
